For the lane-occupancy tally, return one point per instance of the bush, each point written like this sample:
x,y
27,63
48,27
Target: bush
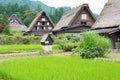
x,y
67,42
69,46
6,30
19,39
92,45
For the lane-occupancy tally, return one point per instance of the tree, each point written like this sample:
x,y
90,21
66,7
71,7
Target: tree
x,y
38,8
56,15
29,16
5,18
6,30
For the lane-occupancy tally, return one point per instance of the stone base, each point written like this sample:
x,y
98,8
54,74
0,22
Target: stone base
x,y
47,48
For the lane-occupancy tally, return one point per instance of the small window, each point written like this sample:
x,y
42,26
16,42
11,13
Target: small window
x,y
48,23
84,16
43,28
43,19
43,23
38,23
11,21
37,27
46,42
49,28
83,23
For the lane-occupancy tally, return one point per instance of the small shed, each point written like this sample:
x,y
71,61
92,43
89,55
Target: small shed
x,y
47,42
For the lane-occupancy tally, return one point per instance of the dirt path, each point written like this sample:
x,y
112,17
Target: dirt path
x,y
9,56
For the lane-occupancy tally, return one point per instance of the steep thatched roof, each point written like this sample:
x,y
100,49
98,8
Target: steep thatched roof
x,y
18,27
36,18
110,15
70,16
16,18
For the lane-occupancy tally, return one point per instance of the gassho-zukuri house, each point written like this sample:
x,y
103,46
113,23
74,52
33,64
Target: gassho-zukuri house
x,y
16,24
42,24
75,21
109,22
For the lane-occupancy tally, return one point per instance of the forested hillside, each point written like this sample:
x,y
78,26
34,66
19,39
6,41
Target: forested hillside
x,y
32,4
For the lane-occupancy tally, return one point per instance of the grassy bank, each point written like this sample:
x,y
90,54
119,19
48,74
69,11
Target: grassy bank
x,y
8,48
58,68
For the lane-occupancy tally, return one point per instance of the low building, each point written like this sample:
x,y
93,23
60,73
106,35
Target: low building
x,y
47,42
16,24
42,24
109,21
76,20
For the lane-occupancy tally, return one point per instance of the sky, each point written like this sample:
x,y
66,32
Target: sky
x,y
95,5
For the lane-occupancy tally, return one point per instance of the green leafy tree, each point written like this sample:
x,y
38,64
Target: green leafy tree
x,y
6,30
5,18
38,8
29,16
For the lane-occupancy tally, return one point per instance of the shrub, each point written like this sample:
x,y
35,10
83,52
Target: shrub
x,y
69,46
19,39
6,30
67,42
92,45
25,40
55,47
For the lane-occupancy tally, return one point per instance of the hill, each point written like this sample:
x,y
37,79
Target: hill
x,y
32,4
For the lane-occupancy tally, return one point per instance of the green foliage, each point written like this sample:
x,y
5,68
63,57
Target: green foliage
x,y
58,68
6,30
92,45
18,39
20,47
39,8
31,3
29,16
56,47
56,15
67,42
68,46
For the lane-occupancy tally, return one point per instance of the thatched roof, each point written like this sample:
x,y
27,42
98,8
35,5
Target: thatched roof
x,y
110,15
107,30
36,18
18,27
70,16
16,18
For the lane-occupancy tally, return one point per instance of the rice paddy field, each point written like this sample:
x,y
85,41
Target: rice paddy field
x,y
59,68
7,48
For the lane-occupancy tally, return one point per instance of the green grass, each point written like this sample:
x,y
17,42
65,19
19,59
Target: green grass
x,y
20,47
59,68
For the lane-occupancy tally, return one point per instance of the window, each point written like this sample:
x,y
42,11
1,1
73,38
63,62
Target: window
x,y
48,23
11,21
38,23
84,16
43,19
49,28
46,42
43,28
83,23
37,27
43,23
